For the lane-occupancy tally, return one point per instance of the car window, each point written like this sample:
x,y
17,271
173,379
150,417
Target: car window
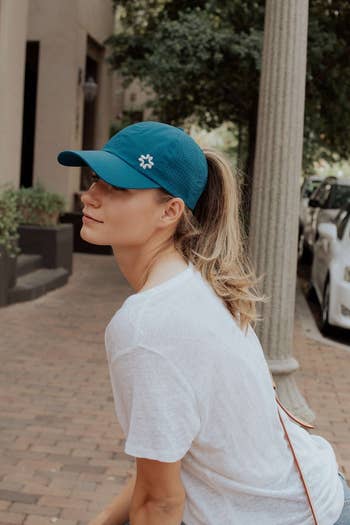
x,y
338,197
342,221
323,195
316,192
309,187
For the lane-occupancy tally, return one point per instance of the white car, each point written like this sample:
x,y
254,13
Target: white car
x,y
330,271
324,204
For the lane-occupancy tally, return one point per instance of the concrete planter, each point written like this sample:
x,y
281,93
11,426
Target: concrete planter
x,y
54,243
7,273
11,270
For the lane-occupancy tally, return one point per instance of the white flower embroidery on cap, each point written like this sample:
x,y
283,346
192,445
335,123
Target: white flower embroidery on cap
x,y
144,164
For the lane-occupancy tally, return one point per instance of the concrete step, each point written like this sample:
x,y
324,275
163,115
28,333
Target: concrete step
x,y
37,283
27,263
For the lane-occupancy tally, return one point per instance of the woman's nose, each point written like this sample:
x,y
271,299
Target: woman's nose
x,y
90,197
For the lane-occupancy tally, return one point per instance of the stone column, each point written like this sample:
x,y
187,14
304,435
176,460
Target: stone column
x,y
275,201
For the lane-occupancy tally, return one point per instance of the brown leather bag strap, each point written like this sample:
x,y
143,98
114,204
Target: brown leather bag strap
x,y
306,425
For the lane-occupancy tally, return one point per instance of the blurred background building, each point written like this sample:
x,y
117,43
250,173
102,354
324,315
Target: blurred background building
x,y
56,90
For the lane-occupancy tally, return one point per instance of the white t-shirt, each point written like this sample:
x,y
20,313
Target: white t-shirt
x,y
189,384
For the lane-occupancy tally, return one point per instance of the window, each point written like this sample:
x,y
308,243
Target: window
x,y
309,187
338,197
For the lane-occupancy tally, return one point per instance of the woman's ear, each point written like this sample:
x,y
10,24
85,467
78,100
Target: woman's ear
x,y
173,210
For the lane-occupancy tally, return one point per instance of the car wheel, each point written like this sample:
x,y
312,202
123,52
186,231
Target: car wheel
x,y
325,326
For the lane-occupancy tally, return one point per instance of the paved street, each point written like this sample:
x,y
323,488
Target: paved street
x,y
60,444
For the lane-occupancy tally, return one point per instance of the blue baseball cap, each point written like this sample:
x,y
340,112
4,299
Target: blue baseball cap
x,y
148,154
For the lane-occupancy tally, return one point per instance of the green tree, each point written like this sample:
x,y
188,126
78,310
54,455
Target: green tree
x,y
327,110
197,60
204,61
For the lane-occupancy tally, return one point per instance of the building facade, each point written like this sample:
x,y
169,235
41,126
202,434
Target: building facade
x,y
52,54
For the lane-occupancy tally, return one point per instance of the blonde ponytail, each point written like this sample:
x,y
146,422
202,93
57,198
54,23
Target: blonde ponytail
x,y
212,238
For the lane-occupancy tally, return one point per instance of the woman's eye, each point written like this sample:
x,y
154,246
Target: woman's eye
x,y
94,178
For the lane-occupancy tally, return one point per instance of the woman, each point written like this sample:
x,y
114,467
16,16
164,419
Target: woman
x,y
191,384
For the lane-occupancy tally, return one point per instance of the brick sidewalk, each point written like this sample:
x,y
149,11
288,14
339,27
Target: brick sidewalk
x,y
324,380
62,457
61,453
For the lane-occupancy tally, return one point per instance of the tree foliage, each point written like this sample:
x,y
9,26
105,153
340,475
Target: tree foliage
x,y
192,59
203,59
327,111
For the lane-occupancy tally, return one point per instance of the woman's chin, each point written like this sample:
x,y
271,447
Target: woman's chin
x,y
84,234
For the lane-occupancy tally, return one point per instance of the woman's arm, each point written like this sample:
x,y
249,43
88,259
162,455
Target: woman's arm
x,y
159,496
155,513
117,512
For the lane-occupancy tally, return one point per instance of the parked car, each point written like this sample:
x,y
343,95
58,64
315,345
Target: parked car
x,y
330,271
324,204
308,186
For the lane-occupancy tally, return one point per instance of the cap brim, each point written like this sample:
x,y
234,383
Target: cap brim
x,y
110,168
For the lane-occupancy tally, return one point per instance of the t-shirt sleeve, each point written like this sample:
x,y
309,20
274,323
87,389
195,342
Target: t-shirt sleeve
x,y
155,405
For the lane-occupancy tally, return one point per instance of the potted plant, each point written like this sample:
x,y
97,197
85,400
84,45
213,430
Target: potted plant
x,y
9,221
38,206
40,230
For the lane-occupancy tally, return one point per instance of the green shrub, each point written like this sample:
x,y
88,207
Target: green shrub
x,y
32,205
37,206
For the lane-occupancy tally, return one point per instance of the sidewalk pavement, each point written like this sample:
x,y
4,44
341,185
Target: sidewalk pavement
x,y
61,446
324,380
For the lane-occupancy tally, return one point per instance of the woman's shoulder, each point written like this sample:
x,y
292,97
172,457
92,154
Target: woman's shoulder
x,y
122,329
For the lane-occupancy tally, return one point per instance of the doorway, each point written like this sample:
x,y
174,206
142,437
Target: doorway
x,y
29,113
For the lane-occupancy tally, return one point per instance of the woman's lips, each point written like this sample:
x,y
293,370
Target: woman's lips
x,y
87,218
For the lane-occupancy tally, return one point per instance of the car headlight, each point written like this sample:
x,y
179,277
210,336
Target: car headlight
x,y
347,273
